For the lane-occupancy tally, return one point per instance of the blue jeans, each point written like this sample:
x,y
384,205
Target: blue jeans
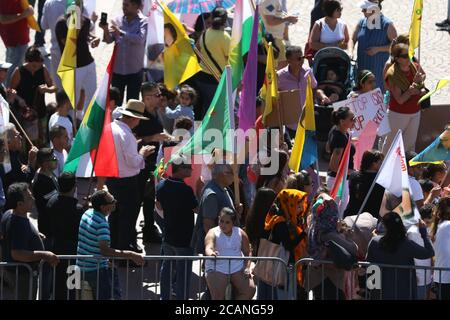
x,y
15,56
183,271
106,284
130,81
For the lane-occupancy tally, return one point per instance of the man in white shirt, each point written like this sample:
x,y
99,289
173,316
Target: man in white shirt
x,y
60,141
275,20
125,187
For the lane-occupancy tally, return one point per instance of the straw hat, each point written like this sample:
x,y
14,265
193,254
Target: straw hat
x,y
134,109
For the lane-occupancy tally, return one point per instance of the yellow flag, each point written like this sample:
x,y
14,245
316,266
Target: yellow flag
x,y
416,23
304,152
68,64
180,61
442,83
269,90
32,23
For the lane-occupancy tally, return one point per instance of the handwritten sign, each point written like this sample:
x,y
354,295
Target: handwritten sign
x,y
367,107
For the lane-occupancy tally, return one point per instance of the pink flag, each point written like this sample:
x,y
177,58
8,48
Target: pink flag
x,y
364,142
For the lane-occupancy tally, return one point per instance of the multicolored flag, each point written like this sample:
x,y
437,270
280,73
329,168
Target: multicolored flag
x,y
180,60
32,23
247,103
415,28
94,151
437,152
241,36
269,90
68,64
338,191
304,152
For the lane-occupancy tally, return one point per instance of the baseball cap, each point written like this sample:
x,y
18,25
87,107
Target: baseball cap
x,y
5,65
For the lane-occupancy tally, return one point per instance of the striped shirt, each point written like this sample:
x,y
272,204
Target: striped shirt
x,y
93,228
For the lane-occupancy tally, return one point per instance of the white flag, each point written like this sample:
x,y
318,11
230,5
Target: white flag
x,y
393,176
4,120
155,29
4,114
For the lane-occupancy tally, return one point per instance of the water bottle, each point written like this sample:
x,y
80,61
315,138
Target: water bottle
x,y
387,97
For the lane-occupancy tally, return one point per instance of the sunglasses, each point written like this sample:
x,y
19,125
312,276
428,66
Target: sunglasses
x,y
404,56
158,95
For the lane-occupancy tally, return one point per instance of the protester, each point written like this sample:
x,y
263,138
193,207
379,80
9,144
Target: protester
x,y
203,22
14,32
64,214
395,248
129,32
360,183
168,99
187,97
7,93
61,117
94,239
32,81
414,172
21,240
441,233
125,188
276,181
178,227
373,40
300,181
275,21
366,82
228,240
330,31
60,141
329,91
405,80
435,172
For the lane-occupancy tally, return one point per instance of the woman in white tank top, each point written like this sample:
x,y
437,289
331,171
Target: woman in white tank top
x,y
231,241
330,31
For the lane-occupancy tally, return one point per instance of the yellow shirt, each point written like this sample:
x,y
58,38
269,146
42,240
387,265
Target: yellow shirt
x,y
218,44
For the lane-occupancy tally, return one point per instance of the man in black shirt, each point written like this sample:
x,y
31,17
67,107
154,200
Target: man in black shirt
x,y
151,133
21,242
64,213
178,227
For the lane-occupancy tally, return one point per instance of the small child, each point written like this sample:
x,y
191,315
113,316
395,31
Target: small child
x,y
329,92
60,141
187,96
61,116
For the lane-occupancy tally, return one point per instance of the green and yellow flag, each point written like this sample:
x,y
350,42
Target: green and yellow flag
x,y
416,23
269,90
68,64
180,61
442,83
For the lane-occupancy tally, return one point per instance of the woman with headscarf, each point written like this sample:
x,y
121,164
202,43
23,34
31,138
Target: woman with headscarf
x,y
324,228
285,224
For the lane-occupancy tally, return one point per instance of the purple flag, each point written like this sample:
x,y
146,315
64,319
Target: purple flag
x,y
247,103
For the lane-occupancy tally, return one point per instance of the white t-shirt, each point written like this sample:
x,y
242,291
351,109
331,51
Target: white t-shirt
x,y
61,156
62,121
442,252
273,8
417,193
421,274
328,35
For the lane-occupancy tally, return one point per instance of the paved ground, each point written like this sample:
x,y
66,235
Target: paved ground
x,y
434,57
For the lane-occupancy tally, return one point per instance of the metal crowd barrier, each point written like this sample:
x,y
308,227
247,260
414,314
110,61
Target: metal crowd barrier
x,y
364,281
137,283
17,281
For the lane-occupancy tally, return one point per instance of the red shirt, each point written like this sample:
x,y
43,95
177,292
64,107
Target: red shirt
x,y
411,105
13,34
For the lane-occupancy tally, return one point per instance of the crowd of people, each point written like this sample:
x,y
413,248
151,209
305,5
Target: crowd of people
x,y
292,210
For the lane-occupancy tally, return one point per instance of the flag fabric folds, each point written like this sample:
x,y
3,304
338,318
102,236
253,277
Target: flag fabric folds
x,y
247,103
338,190
31,20
442,83
304,151
94,147
67,66
393,176
269,90
437,152
416,23
180,60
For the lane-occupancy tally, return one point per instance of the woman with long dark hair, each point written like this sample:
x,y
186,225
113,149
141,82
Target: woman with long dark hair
x,y
276,181
394,248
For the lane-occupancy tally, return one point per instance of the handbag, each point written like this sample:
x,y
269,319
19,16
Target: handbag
x,y
271,272
310,52
425,104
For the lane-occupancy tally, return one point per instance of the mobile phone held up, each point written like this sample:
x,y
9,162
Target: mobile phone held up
x,y
104,18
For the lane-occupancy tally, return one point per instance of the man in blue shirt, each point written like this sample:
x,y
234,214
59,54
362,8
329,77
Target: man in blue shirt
x,y
94,239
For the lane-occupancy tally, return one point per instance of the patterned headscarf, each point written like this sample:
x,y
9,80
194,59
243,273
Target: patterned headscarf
x,y
290,205
324,220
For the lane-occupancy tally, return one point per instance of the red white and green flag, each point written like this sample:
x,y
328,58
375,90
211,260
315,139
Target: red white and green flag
x,y
93,151
338,192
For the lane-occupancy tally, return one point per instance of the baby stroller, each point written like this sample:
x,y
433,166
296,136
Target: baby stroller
x,y
337,60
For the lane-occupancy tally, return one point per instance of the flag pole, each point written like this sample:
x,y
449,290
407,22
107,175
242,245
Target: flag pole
x,y
373,183
20,127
